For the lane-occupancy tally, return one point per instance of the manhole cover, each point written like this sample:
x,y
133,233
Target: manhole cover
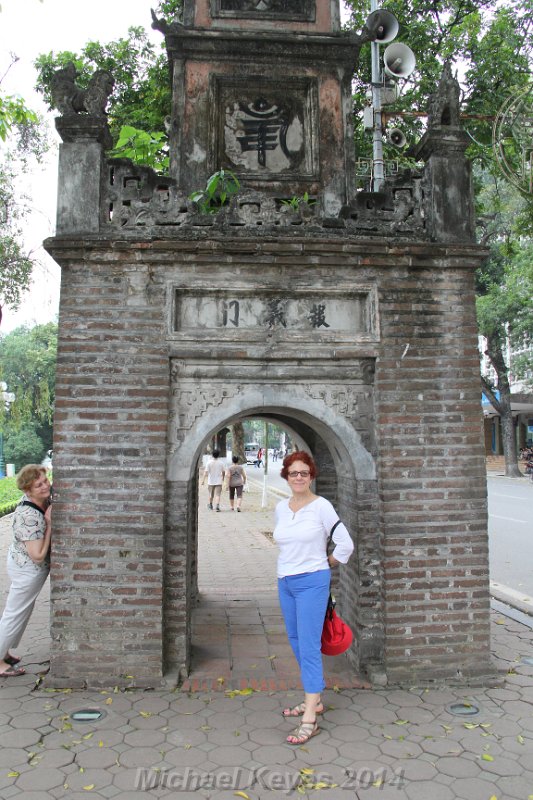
x,y
87,715
463,709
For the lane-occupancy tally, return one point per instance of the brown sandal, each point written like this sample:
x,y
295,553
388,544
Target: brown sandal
x,y
12,672
304,732
298,710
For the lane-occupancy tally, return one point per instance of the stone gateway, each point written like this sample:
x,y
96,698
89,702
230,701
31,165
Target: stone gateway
x,y
349,320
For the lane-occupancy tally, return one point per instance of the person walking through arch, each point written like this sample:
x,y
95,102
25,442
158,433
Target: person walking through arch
x,y
214,472
303,525
236,477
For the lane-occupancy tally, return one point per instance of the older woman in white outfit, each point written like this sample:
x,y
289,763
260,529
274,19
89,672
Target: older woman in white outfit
x,y
303,525
28,562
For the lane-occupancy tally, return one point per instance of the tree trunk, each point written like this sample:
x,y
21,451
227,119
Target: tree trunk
x,y
503,407
238,442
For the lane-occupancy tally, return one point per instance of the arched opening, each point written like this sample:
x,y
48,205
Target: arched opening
x,y
346,477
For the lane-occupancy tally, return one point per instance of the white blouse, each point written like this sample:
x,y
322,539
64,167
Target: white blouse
x,y
302,537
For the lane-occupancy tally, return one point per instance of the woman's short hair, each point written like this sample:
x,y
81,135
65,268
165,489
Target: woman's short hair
x,y
28,475
299,455
235,459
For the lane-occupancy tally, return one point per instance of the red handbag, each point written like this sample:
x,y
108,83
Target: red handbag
x,y
337,636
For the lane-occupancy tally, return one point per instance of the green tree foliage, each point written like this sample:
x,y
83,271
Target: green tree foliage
x,y
23,141
489,42
28,360
142,93
24,446
504,309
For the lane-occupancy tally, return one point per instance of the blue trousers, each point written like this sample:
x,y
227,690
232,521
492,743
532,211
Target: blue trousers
x,y
303,599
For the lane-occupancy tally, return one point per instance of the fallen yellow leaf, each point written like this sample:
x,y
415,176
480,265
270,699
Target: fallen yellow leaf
x,y
89,787
242,794
109,701
13,774
486,757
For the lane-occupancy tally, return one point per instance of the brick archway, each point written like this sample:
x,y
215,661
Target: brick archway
x,y
346,476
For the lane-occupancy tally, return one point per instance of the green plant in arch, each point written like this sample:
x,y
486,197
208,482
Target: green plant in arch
x,y
297,201
219,189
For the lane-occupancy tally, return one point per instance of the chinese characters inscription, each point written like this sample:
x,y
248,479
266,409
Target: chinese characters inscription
x,y
265,128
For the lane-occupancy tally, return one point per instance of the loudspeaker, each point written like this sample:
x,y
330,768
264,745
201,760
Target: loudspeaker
x,y
398,60
396,137
383,25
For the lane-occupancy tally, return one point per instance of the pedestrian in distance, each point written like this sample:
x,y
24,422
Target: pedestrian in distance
x,y
303,523
28,562
236,477
214,472
259,457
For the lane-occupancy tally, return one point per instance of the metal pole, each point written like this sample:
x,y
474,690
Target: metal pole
x,y
2,461
264,500
378,170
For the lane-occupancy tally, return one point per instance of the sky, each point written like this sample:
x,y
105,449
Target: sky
x,y
27,29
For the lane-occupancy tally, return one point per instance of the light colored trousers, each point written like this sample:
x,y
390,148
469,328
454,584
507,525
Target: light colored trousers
x,y
26,583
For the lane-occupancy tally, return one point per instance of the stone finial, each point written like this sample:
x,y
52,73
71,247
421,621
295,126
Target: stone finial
x,y
71,99
444,104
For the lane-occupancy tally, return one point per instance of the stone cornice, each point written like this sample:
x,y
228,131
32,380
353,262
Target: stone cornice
x,y
224,45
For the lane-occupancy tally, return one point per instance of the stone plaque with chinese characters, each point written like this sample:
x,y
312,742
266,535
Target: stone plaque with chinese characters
x,y
301,10
264,131
351,313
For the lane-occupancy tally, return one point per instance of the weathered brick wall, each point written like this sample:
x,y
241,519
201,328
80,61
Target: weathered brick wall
x,y
123,577
431,475
109,471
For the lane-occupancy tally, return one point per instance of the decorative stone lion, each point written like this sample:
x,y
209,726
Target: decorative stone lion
x,y
70,99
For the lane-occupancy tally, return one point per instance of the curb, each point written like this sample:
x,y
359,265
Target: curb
x,y
519,600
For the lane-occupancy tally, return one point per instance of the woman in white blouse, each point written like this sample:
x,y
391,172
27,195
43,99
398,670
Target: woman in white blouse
x,y
303,525
28,562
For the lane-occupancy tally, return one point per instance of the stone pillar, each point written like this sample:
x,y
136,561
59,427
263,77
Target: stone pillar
x,y
81,164
448,185
448,174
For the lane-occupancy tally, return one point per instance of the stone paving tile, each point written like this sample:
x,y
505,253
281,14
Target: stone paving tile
x,y
423,790
41,779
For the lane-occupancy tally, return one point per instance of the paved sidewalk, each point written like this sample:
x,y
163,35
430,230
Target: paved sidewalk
x,y
390,744
239,638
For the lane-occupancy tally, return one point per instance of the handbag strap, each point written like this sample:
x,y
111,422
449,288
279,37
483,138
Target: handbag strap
x,y
331,600
332,531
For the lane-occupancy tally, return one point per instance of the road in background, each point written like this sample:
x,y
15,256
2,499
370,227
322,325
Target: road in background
x,y
511,533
